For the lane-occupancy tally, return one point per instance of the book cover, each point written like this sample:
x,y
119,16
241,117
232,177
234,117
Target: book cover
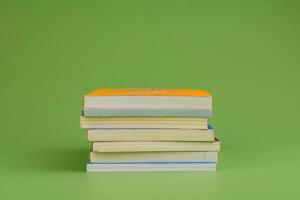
x,y
149,92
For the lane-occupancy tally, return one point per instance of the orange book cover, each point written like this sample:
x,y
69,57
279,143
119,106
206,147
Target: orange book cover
x,y
149,92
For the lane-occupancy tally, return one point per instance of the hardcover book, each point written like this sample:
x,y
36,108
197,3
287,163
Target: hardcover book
x,y
150,134
155,146
148,102
144,157
145,167
143,122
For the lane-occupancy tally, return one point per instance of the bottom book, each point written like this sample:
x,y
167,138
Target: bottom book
x,y
151,166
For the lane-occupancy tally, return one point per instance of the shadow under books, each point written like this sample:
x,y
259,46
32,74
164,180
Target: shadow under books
x,y
62,160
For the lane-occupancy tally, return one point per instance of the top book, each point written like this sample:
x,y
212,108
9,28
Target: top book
x,y
149,92
148,102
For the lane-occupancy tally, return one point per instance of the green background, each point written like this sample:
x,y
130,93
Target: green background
x,y
246,53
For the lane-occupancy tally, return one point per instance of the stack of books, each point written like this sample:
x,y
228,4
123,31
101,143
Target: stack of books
x,y
149,130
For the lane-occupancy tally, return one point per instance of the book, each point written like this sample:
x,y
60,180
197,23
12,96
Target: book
x,y
148,102
143,122
93,112
148,134
145,167
154,146
142,157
